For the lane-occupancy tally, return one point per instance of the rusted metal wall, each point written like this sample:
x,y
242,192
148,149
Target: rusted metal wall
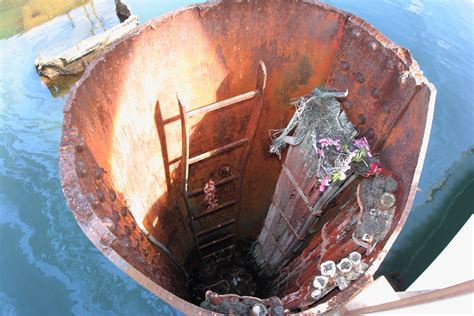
x,y
387,96
124,113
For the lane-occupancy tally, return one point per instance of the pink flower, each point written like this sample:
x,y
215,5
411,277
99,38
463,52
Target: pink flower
x,y
319,152
324,183
326,142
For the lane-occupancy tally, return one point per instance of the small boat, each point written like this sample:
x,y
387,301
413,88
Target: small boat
x,y
167,164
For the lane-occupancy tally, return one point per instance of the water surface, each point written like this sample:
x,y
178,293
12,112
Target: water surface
x,y
49,267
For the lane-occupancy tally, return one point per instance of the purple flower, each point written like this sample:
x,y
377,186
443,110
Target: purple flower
x,y
362,143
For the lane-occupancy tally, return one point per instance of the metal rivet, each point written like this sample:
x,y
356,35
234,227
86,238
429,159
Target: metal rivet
x,y
124,242
79,148
347,104
375,93
92,199
112,195
115,216
344,65
100,194
361,119
127,230
98,172
370,134
124,211
81,168
359,77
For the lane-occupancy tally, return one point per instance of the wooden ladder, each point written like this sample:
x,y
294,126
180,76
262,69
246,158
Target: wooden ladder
x,y
194,216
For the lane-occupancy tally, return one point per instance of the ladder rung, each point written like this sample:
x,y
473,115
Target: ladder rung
x,y
175,160
218,151
218,240
221,104
216,209
220,250
217,183
217,227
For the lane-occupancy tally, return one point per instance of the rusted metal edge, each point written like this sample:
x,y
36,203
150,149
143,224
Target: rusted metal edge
x,y
430,296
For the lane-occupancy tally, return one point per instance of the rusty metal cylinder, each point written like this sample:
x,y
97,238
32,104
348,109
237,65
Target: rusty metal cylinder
x,y
121,149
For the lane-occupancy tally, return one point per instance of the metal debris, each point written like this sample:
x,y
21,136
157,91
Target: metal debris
x,y
306,108
377,204
232,304
348,269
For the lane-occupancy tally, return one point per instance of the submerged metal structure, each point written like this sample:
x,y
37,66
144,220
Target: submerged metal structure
x,y
190,97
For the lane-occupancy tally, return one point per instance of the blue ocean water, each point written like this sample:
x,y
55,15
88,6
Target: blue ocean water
x,y
49,267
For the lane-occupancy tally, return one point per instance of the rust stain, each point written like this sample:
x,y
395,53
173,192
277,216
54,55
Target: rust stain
x,y
122,117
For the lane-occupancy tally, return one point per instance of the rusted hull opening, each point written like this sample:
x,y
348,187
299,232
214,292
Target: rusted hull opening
x,y
165,156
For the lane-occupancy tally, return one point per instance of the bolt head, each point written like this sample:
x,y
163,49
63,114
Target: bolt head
x,y
320,282
355,258
345,265
328,268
